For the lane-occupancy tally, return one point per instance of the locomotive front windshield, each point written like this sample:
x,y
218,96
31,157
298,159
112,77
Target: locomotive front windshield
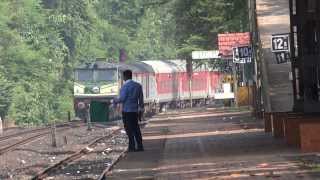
x,y
98,75
84,75
106,75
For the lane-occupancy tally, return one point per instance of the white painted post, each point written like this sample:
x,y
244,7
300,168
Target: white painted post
x,y
1,128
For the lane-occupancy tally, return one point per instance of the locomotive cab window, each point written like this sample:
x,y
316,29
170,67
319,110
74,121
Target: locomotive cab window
x,y
96,75
106,75
84,75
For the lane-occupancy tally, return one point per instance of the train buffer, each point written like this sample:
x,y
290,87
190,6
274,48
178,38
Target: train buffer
x,y
211,143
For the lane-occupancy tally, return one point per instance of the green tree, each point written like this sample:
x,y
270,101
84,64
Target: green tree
x,y
41,41
5,95
154,36
199,22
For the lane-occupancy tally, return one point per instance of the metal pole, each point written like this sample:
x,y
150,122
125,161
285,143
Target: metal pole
x,y
53,135
235,83
190,90
189,70
88,118
69,116
246,81
248,86
1,128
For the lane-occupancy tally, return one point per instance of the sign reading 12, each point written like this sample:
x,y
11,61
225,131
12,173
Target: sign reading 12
x,y
280,43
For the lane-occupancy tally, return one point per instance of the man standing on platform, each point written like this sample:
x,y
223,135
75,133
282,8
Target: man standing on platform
x,y
131,97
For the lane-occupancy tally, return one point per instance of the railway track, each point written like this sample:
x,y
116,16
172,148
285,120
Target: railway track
x,y
40,132
81,153
37,130
10,128
108,169
7,137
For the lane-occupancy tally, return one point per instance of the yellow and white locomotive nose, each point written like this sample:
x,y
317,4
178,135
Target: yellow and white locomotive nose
x,y
96,89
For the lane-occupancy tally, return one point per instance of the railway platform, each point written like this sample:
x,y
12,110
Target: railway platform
x,y
212,144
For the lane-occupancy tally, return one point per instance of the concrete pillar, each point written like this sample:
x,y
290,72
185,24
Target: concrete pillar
x,y
267,122
278,125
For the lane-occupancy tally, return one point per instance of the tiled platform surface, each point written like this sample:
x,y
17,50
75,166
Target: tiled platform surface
x,y
210,145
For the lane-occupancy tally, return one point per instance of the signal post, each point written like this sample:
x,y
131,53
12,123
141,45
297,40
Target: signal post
x,y
1,128
189,72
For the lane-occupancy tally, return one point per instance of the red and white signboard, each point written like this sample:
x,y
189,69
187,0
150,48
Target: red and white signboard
x,y
228,41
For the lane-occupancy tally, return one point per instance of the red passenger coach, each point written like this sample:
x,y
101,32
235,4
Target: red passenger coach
x,y
200,81
166,80
172,82
167,83
215,79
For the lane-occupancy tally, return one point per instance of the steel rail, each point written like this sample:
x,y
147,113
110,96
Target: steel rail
x,y
27,140
109,168
23,133
73,157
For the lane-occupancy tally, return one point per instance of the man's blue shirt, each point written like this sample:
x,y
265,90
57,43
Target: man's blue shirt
x,y
131,96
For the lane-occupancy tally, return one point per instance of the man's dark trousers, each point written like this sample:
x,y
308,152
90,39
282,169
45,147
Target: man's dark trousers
x,y
130,121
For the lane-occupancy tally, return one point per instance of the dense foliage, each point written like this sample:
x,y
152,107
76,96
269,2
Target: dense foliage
x,y
42,40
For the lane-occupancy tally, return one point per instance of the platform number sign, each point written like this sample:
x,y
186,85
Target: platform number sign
x,y
282,57
280,43
242,54
280,46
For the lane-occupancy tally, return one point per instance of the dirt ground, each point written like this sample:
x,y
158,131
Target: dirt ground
x,y
91,165
213,145
27,160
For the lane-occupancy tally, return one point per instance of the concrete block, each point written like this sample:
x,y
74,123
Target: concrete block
x,y
292,128
310,139
292,131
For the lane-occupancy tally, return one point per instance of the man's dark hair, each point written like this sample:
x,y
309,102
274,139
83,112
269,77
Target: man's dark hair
x,y
127,74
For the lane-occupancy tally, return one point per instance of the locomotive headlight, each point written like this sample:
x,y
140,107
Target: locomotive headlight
x,y
95,89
